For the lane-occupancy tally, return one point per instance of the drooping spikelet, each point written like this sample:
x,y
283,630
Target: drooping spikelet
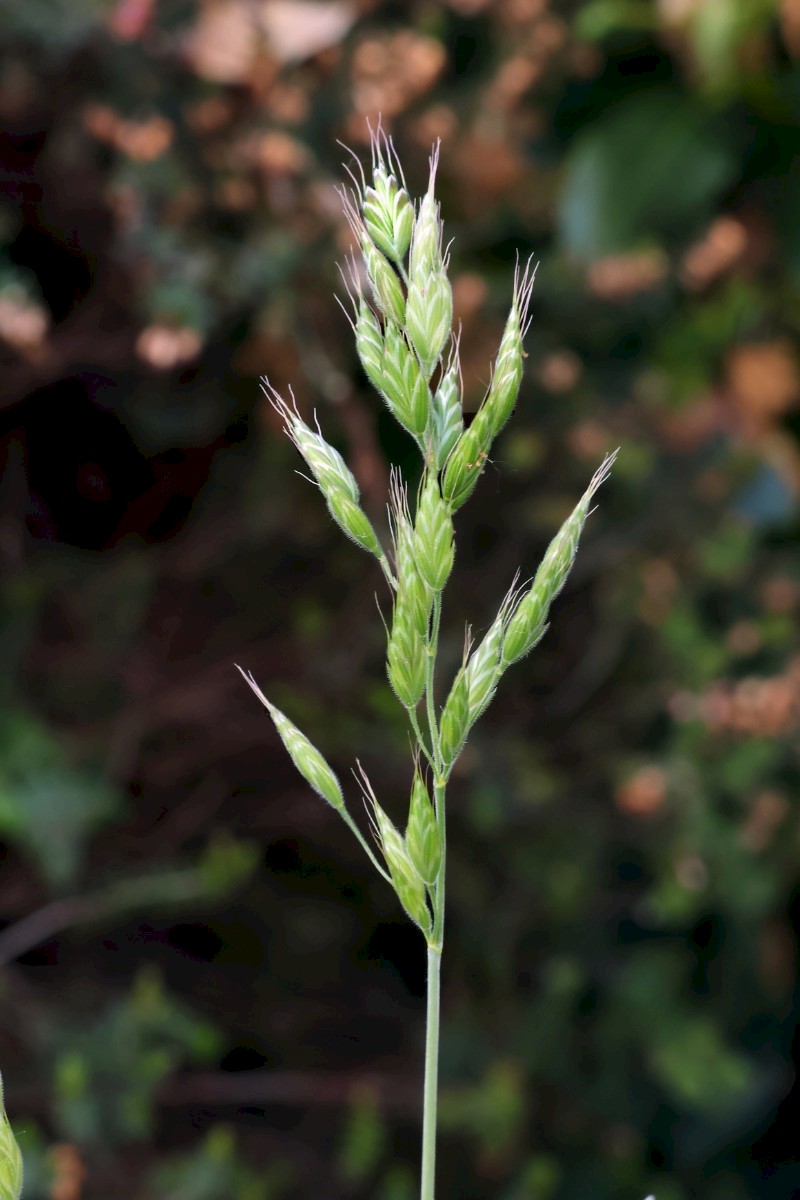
x,y
332,475
308,760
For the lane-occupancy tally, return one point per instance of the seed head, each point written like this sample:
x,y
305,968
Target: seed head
x,y
308,760
329,469
414,594
504,388
423,842
388,211
10,1157
353,521
369,344
404,387
386,287
465,465
406,654
429,315
388,214
335,479
426,242
454,723
528,623
485,666
433,536
447,420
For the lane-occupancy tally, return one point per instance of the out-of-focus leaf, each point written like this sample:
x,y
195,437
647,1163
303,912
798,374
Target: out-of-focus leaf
x,y
364,1140
599,18
106,1076
46,804
698,1068
216,1170
620,185
722,36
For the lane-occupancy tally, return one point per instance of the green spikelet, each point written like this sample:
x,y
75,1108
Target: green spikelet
x,y
369,344
10,1157
426,242
447,418
429,316
353,521
335,479
308,760
404,386
528,624
331,473
454,723
414,595
388,214
423,841
483,671
465,466
386,287
386,205
507,375
408,884
433,536
406,655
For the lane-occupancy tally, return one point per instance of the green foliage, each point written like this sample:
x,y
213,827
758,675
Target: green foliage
x,y
106,1097
608,207
217,1170
47,804
364,1141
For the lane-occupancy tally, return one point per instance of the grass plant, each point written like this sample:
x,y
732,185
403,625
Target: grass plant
x,y
402,318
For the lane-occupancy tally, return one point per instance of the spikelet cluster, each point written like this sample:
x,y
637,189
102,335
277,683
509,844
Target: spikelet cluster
x,y
402,318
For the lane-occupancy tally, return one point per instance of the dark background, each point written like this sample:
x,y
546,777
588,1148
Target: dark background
x,y
205,992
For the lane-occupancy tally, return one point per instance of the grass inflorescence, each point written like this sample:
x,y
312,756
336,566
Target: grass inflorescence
x,y
401,313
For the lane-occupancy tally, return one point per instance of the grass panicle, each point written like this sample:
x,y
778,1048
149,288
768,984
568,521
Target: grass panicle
x,y
401,313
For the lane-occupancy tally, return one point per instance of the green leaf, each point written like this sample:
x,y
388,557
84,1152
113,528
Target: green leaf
x,y
48,805
623,170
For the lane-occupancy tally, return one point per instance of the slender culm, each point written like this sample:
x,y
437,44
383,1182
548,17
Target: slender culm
x,y
402,319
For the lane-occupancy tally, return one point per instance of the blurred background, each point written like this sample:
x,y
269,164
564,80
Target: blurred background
x,y
206,991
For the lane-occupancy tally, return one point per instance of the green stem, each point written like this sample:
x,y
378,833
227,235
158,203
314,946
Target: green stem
x,y
419,735
387,571
435,945
438,887
348,820
431,1085
431,1076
